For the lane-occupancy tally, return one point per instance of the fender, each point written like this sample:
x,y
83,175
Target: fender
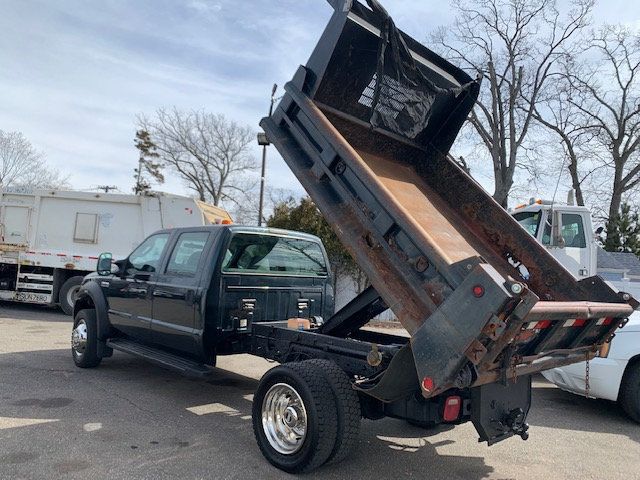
x,y
90,295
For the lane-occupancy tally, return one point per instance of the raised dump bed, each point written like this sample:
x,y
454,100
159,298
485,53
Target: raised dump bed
x,y
366,126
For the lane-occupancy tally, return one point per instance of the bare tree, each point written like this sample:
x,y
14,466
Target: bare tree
x,y
607,93
515,44
210,152
21,165
562,112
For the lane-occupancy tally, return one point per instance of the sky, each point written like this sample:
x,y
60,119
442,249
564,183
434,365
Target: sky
x,y
74,74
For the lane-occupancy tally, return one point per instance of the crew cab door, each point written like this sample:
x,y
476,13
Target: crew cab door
x,y
177,293
270,277
128,294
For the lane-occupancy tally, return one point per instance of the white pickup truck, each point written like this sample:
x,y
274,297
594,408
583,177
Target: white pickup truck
x,y
568,234
50,239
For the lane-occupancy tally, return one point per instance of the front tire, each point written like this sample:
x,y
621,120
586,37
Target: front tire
x,y
294,417
629,398
84,339
68,293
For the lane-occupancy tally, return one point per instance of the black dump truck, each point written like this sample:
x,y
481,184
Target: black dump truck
x,y
366,126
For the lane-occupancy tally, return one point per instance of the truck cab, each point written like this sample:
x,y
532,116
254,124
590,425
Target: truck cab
x,y
565,230
198,291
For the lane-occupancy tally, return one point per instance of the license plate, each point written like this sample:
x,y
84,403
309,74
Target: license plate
x,y
31,297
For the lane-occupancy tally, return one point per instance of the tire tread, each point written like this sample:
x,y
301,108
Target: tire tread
x,y
630,392
347,406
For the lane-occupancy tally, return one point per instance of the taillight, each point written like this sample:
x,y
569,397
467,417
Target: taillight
x,y
452,407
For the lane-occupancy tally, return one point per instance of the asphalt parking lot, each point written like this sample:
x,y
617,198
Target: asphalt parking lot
x,y
128,420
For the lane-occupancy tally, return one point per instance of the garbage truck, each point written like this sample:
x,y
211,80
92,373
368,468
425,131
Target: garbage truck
x,y
51,239
366,126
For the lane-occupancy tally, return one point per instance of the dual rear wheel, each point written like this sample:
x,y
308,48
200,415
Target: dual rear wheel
x,y
305,414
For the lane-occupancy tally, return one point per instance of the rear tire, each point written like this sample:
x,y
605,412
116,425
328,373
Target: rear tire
x,y
84,340
68,292
294,417
629,397
347,407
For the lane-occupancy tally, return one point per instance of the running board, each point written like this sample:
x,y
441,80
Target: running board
x,y
160,357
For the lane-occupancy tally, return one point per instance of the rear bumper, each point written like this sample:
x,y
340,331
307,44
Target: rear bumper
x,y
605,375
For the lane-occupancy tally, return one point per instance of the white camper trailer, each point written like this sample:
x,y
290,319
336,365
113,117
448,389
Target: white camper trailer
x,y
50,239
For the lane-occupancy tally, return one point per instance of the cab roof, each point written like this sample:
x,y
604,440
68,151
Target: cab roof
x,y
246,229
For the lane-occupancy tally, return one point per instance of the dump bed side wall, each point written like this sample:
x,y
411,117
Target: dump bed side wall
x,y
460,218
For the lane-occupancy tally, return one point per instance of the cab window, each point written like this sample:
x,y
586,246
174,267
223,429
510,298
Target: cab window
x,y
272,255
187,253
146,258
573,230
530,221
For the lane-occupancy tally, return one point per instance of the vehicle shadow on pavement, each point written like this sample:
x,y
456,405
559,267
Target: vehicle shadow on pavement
x,y
33,312
587,414
140,421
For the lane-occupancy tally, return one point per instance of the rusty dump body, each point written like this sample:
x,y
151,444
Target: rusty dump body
x,y
366,126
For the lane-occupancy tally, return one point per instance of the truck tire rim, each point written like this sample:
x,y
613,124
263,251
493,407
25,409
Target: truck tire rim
x,y
79,338
72,294
284,419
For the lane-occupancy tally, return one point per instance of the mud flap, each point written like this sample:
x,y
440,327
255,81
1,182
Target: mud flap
x,y
500,411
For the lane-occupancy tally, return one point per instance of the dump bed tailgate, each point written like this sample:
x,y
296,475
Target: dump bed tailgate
x,y
366,127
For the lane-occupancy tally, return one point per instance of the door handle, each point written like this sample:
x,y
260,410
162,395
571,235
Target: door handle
x,y
166,294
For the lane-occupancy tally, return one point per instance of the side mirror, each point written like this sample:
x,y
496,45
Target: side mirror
x,y
104,264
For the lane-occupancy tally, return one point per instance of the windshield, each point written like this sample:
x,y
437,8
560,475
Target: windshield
x,y
530,221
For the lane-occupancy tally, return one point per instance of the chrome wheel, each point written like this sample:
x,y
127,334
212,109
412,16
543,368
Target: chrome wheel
x,y
284,419
79,338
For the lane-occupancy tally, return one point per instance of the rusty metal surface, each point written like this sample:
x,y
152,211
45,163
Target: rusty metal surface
x,y
582,310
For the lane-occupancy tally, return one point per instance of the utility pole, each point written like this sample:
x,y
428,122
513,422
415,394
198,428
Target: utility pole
x,y
137,188
264,142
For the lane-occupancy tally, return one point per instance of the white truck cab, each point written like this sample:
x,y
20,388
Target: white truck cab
x,y
566,231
